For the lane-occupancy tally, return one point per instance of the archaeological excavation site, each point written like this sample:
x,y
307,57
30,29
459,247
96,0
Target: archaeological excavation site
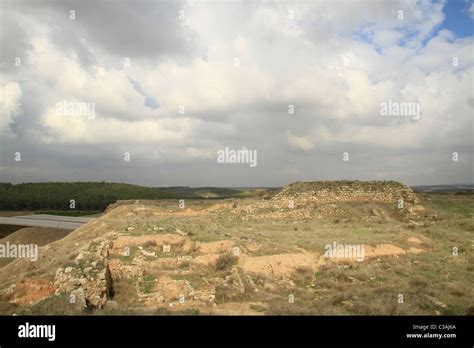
x,y
309,248
236,172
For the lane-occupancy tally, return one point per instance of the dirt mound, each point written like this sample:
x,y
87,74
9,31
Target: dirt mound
x,y
383,250
279,265
216,247
415,240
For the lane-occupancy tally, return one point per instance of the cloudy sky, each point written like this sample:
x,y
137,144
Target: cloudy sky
x,y
173,82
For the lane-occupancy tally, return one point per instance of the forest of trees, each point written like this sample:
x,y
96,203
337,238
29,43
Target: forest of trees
x,y
92,196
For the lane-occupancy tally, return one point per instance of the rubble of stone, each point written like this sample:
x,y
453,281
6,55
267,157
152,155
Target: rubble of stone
x,y
88,281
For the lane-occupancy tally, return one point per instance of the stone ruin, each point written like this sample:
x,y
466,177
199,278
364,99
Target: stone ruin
x,y
88,282
320,192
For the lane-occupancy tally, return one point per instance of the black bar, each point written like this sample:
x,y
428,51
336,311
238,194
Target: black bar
x,y
218,330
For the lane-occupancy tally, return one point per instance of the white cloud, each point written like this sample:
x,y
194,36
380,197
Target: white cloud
x,y
10,106
300,143
81,130
471,11
334,61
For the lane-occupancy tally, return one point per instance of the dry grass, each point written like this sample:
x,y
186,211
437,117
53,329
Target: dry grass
x,y
432,282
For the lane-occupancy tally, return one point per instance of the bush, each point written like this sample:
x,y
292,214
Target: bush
x,y
226,261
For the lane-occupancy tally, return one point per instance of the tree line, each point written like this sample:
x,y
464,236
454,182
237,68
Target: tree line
x,y
94,196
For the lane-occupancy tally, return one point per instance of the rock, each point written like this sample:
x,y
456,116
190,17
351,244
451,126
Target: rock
x,y
95,301
251,283
68,270
78,297
231,286
181,233
347,303
111,305
413,224
148,254
100,265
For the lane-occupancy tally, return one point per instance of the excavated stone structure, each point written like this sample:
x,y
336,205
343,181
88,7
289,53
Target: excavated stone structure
x,y
320,192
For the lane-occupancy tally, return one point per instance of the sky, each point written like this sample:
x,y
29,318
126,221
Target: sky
x,y
150,92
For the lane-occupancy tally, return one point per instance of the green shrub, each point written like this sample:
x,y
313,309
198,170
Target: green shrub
x,y
226,261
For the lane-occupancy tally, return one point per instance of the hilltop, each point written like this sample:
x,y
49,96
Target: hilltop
x,y
346,191
257,256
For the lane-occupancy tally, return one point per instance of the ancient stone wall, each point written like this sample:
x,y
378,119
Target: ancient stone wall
x,y
87,282
344,191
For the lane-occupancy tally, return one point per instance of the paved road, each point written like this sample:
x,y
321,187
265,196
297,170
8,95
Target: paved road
x,y
49,221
